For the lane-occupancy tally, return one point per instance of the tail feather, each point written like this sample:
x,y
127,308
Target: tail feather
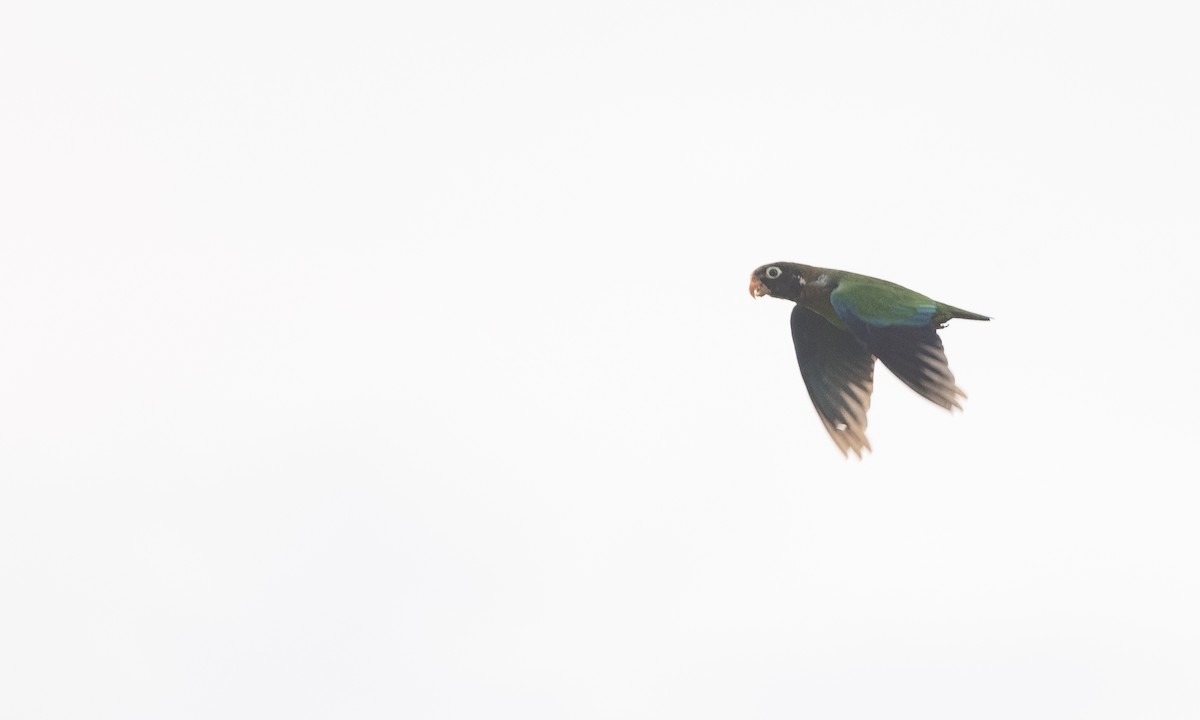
x,y
948,312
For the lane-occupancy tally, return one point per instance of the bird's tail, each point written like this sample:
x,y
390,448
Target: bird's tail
x,y
952,312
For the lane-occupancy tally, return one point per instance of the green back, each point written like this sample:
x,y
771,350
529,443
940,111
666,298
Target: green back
x,y
880,303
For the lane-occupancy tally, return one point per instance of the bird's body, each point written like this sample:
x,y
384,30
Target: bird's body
x,y
842,322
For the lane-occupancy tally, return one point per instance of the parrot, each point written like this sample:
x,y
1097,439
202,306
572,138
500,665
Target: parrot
x,y
841,323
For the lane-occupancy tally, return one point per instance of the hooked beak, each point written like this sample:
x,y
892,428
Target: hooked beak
x,y
757,289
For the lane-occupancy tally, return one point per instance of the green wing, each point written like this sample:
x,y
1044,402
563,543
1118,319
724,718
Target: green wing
x,y
898,326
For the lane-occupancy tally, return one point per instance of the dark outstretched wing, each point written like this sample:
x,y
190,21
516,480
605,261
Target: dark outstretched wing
x,y
916,356
839,374
904,339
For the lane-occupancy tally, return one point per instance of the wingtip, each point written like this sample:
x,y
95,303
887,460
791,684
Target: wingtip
x,y
848,442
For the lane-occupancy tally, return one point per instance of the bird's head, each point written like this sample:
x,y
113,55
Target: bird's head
x,y
781,280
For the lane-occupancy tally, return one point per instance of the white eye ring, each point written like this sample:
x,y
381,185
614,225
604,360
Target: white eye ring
x,y
773,272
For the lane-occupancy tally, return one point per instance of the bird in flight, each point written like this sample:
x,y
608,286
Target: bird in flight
x,y
842,322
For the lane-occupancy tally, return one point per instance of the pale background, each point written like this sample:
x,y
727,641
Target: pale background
x,y
395,360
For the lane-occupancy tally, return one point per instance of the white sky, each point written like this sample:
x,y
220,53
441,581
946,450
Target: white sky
x,y
396,360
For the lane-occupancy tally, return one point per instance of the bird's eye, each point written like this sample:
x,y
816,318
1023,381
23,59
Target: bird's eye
x,y
773,272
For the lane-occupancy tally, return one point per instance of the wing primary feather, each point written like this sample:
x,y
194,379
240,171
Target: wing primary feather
x,y
916,356
839,374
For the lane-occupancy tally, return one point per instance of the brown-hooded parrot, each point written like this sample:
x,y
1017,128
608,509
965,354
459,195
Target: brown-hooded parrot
x,y
842,322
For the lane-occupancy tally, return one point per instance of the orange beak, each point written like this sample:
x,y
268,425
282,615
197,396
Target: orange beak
x,y
757,289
